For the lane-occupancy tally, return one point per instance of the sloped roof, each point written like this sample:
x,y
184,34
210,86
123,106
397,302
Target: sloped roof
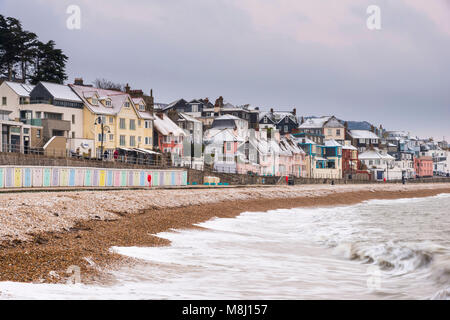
x,y
332,143
373,154
117,100
60,91
188,117
166,126
276,117
314,123
21,89
363,134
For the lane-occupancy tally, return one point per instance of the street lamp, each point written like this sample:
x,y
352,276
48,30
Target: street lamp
x,y
104,128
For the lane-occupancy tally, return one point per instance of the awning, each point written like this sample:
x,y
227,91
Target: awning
x,y
146,151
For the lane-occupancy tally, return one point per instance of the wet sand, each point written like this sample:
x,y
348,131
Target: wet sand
x,y
45,254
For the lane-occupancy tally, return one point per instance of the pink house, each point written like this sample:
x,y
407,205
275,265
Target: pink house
x,y
423,167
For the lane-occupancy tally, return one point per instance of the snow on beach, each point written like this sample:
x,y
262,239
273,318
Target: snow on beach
x,y
24,214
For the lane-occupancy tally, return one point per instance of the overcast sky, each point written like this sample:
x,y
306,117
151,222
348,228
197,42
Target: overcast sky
x,y
316,55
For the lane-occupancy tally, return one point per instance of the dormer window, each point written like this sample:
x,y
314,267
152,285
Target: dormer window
x,y
108,103
94,101
141,107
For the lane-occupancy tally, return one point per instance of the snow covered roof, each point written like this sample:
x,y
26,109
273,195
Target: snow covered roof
x,y
373,154
219,136
189,118
21,89
314,122
166,127
276,117
348,147
117,98
332,143
60,91
363,134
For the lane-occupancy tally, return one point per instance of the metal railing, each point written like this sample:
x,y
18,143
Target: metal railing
x,y
39,154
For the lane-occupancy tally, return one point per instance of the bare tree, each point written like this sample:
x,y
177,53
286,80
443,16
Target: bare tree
x,y
103,83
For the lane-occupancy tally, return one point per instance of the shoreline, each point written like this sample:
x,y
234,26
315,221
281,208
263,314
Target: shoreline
x,y
46,256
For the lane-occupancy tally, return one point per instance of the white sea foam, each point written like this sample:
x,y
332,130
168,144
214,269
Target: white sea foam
x,y
378,249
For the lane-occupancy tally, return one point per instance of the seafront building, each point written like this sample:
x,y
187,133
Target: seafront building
x,y
83,121
113,121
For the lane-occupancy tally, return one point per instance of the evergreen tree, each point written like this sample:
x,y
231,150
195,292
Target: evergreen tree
x,y
21,53
49,63
10,45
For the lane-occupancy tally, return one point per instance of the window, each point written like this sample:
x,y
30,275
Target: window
x,y
147,124
330,132
142,107
73,119
53,116
111,137
38,133
22,100
265,120
286,120
132,141
139,123
195,108
108,103
38,114
139,139
122,140
148,140
100,137
94,101
286,129
111,119
338,132
228,146
132,124
4,101
127,104
73,134
122,123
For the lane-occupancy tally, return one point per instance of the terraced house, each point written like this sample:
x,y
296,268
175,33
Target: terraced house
x,y
115,121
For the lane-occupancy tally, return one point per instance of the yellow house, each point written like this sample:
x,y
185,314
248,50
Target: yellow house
x,y
114,121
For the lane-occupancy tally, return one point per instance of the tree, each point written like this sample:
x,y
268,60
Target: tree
x,y
22,54
10,45
103,83
49,63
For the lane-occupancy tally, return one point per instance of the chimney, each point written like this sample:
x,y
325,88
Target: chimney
x,y
78,82
302,121
206,100
271,110
257,108
127,88
294,112
151,100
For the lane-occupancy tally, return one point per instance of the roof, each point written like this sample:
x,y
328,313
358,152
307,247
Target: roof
x,y
61,91
373,154
188,117
363,134
117,100
314,122
166,126
348,147
332,143
276,117
21,89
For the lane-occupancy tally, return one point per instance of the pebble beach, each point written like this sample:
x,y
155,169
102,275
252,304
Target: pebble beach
x,y
43,234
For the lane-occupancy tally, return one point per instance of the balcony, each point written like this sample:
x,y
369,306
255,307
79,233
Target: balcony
x,y
33,122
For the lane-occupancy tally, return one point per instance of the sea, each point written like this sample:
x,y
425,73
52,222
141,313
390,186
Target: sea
x,y
377,249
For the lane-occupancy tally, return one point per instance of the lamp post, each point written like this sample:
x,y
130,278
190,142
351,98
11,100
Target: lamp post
x,y
192,144
103,128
